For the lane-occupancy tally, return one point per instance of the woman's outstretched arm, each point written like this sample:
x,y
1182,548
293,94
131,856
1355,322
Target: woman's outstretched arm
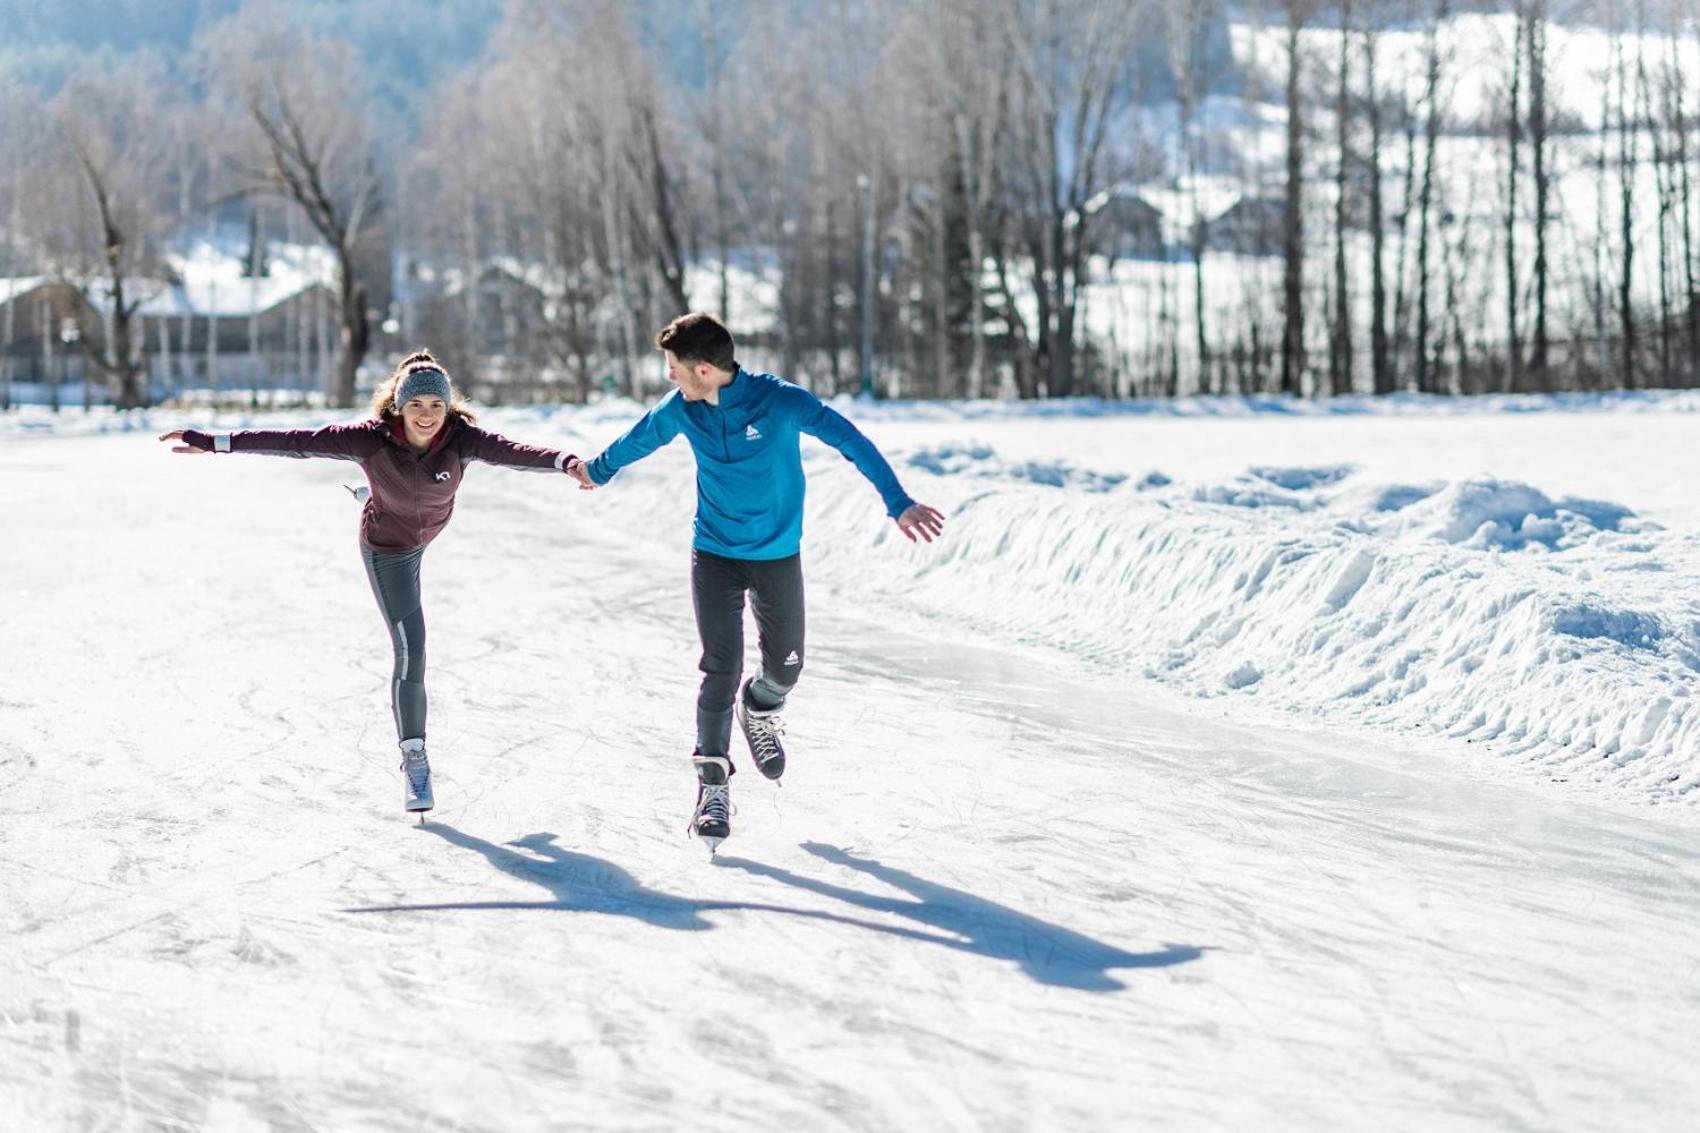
x,y
493,448
333,442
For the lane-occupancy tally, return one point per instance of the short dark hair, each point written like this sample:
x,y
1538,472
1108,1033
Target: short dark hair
x,y
697,337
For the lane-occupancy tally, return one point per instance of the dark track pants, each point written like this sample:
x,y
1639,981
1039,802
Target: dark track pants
x,y
718,586
395,583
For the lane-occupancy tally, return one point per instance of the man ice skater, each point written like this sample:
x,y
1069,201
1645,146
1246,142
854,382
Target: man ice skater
x,y
743,428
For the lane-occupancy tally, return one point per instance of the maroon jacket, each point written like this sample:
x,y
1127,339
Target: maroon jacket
x,y
413,493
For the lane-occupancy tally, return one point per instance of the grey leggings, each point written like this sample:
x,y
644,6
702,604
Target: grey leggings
x,y
395,583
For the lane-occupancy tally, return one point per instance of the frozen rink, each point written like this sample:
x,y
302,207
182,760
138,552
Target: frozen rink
x,y
1018,876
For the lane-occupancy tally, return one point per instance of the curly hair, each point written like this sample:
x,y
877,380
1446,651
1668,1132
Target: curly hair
x,y
383,397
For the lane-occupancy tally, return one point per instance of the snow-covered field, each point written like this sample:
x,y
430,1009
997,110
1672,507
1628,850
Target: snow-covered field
x,y
1227,765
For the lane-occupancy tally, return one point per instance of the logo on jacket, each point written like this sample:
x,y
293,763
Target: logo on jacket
x,y
442,477
751,433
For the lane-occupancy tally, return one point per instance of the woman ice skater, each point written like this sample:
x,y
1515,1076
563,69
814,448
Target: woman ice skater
x,y
414,451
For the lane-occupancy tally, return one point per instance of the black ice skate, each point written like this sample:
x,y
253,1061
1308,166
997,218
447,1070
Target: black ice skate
x,y
712,820
762,729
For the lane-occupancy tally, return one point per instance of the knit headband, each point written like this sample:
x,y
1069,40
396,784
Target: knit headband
x,y
422,383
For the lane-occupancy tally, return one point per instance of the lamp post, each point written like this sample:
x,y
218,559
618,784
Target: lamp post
x,y
69,335
865,193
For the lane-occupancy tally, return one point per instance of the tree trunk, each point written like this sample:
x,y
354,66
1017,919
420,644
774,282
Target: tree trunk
x,y
1292,228
7,338
1686,209
972,188
1538,131
1340,375
1665,187
1183,32
356,333
1380,363
1626,192
1513,375
1431,136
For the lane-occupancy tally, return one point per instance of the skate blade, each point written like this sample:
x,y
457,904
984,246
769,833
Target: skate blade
x,y
711,842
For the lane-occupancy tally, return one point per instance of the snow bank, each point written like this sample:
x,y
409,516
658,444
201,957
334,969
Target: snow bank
x,y
1562,633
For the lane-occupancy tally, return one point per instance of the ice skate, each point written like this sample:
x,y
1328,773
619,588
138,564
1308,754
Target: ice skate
x,y
762,729
712,819
416,776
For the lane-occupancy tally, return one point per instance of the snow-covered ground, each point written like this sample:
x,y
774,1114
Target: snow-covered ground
x,y
1142,800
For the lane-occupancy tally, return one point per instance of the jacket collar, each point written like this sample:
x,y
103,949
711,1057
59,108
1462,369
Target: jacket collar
x,y
735,391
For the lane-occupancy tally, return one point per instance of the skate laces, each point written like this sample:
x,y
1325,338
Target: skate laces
x,y
715,804
765,731
418,771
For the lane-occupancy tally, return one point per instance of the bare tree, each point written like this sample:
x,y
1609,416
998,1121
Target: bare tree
x,y
20,115
1513,376
1425,199
1381,365
1185,25
1669,150
1071,82
642,139
1627,158
1340,378
1676,82
1534,30
970,89
1292,226
313,142
118,146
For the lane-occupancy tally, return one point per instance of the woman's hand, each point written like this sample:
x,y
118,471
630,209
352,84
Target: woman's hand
x,y
576,469
182,445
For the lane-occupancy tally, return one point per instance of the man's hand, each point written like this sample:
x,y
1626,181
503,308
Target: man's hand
x,y
919,519
577,470
176,435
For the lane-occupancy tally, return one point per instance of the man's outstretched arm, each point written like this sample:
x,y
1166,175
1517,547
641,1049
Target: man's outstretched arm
x,y
821,421
653,430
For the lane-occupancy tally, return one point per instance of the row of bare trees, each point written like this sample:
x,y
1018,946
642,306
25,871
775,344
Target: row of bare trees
x,y
117,166
927,197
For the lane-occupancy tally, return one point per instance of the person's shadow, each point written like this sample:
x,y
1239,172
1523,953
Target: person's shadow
x,y
1049,953
586,884
953,919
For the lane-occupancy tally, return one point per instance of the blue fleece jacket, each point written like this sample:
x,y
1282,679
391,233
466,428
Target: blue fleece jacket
x,y
749,469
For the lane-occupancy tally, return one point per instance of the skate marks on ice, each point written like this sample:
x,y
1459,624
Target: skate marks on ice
x,y
1047,953
954,919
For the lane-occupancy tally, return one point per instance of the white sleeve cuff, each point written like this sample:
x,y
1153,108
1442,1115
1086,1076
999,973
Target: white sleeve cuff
x,y
561,462
221,442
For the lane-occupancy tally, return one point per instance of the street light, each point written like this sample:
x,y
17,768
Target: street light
x,y
865,193
68,335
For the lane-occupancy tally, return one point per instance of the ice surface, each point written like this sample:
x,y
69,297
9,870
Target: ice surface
x,y
1088,823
